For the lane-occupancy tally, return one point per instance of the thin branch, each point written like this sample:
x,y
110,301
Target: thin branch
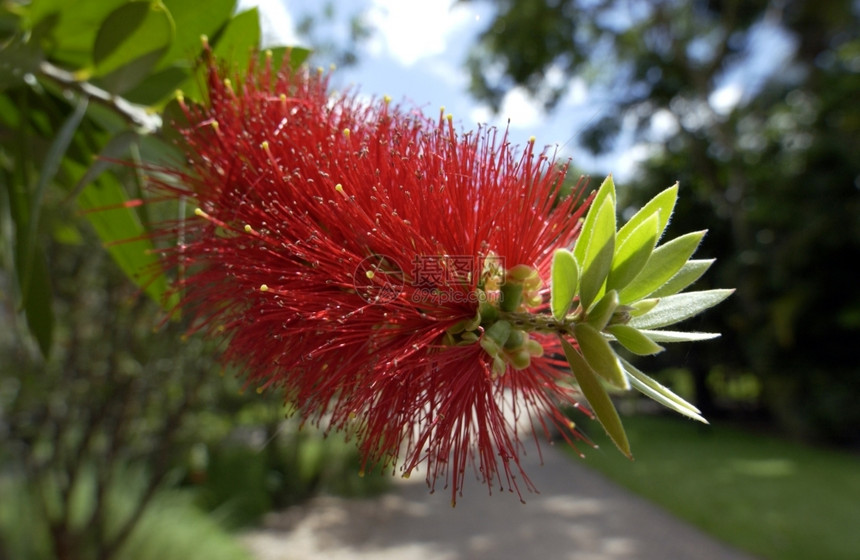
x,y
135,114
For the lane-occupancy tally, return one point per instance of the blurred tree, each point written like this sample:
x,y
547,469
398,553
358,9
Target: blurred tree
x,y
776,167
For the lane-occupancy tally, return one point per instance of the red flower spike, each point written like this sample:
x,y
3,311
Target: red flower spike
x,y
344,250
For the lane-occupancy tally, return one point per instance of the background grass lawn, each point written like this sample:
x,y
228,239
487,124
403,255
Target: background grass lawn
x,y
773,498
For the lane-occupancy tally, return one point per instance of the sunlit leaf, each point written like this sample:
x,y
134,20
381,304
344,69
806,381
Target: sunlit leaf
x,y
676,308
661,205
600,355
632,253
597,397
606,191
598,255
689,273
661,394
678,336
601,313
665,261
634,340
565,281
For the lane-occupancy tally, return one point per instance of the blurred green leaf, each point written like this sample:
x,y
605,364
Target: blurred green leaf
x,y
665,262
49,167
597,397
71,40
634,340
107,208
296,56
114,149
598,255
235,43
239,39
633,252
136,30
600,355
36,301
565,281
689,273
654,390
190,22
676,308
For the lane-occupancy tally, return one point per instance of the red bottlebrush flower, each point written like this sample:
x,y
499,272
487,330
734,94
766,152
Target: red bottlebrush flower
x,y
353,255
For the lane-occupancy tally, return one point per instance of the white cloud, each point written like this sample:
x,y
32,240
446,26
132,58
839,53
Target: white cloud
x,y
517,106
412,31
276,23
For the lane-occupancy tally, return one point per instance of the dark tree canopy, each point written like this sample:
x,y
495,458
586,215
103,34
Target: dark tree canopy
x,y
777,172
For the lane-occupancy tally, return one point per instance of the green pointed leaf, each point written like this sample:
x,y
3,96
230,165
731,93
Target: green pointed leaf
x,y
632,252
598,255
689,273
606,191
113,150
676,308
660,393
601,313
664,263
678,336
294,55
49,167
661,205
37,300
643,306
565,281
600,355
634,340
124,236
239,39
136,30
191,22
597,397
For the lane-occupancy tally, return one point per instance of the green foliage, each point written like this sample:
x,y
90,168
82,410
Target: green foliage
x,y
635,267
82,85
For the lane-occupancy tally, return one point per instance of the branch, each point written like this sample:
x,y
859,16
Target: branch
x,y
135,114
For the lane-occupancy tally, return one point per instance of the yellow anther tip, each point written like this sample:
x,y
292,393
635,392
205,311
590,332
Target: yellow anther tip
x,y
265,145
387,99
248,229
264,288
199,212
346,132
531,139
338,187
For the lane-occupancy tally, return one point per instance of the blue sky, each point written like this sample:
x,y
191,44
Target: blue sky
x,y
416,56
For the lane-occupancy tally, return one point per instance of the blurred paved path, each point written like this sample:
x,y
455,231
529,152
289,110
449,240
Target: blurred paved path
x,y
579,515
